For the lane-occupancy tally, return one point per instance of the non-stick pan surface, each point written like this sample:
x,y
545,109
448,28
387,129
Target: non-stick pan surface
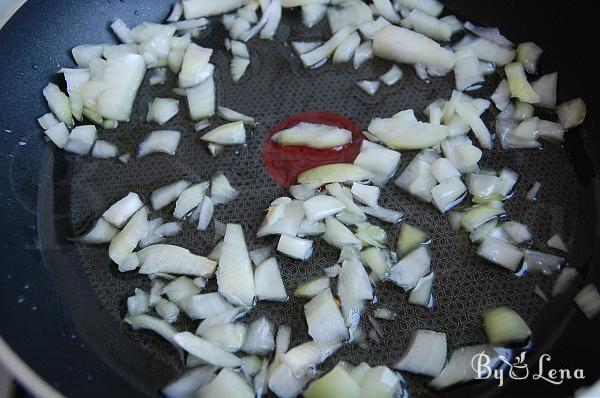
x,y
63,302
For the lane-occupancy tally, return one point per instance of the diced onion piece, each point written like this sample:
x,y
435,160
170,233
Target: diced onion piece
x,y
381,161
259,338
238,67
338,235
462,153
158,77
470,116
416,177
367,194
349,15
517,232
588,300
196,58
157,325
344,195
500,253
302,192
448,194
234,116
192,380
386,10
167,194
550,131
345,50
410,238
206,210
122,31
207,8
429,26
480,214
101,232
59,104
58,134
322,206
283,217
491,34
161,110
398,133
339,172
404,46
362,54
206,350
518,84
298,248
201,99
556,242
426,353
235,275
122,77
160,141
177,290
122,210
443,170
565,280
221,190
312,287
171,259
81,139
138,303
489,51
354,287
127,239
323,52
313,135
392,76
503,326
336,383
203,306
385,313
268,32
86,52
302,47
415,265
312,13
537,261
545,87
528,54
459,368
430,7
227,134
47,121
369,86
168,311
377,260
466,70
325,322
175,15
532,194
267,281
156,235
571,113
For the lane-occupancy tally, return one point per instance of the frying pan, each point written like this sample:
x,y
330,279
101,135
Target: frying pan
x,y
62,302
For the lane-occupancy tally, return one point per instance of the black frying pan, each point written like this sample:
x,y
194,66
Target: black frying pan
x,y
61,303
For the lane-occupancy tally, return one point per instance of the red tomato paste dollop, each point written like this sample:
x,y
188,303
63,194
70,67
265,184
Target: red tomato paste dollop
x,y
284,162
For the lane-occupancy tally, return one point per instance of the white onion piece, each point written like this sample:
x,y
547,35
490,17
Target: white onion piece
x,y
138,303
528,54
339,172
362,54
454,219
398,133
191,26
571,113
487,68
325,322
192,380
177,290
415,265
332,271
491,34
565,280
161,110
168,311
86,52
482,186
101,232
345,50
377,260
225,318
324,51
338,235
81,140
302,192
74,78
298,248
459,368
221,190
260,381
215,252
431,7
517,232
550,131
189,199
122,77
537,261
282,341
500,253
486,230
157,325
416,177
503,326
158,77
59,104
201,99
466,70
258,256
386,10
202,306
312,287
282,218
207,209
268,32
410,238
354,287
302,47
345,195
146,31
207,8
158,235
234,116
47,121
251,366
167,194
518,84
282,382
392,76
508,180
97,66
267,8
491,52
384,313
195,60
367,194
470,115
58,134
322,206
478,215
177,53
227,134
384,214
123,209
205,350
426,24
588,300
443,170
267,281
381,161
349,15
259,338
303,357
556,242
455,24
426,353
404,46
448,194
313,135
369,86
238,67
313,13
462,153
235,276
171,259
421,72
545,87
335,383
122,31
532,194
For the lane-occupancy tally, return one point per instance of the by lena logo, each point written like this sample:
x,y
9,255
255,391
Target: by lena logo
x,y
499,367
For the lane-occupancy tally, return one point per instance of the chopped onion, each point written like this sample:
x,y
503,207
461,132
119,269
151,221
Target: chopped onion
x,y
415,265
322,206
81,139
234,116
489,51
345,195
177,53
345,50
312,287
168,311
156,292
368,29
160,141
459,368
282,382
392,76
550,131
410,238
384,313
110,52
227,134
377,260
177,290
260,255
59,104
298,248
466,70
161,110
448,194
421,294
122,31
101,232
381,161
325,322
238,67
528,54
367,194
349,15
202,306
386,10
74,78
206,210
504,326
195,60
138,303
338,235
205,350
251,366
313,13
399,133
313,135
302,192
85,53
302,47
571,113
158,77
332,271
267,281
588,300
369,86
404,46
189,199
158,233
221,190
430,7
174,16
545,87
339,172
517,232
536,261
354,288
518,84
225,318
556,242
480,214
491,34
335,383
260,381
426,24
122,210
268,32
47,121
235,275
201,99
565,280
362,54
157,325
323,52
387,215
282,218
532,194
259,338
443,170
416,177
171,259
207,8
167,194
500,253
192,380
426,353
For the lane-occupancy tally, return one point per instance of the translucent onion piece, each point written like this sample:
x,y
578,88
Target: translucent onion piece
x,y
177,290
59,104
537,261
122,77
260,381
429,26
415,265
267,281
335,383
339,172
556,242
268,32
338,235
322,206
588,300
480,214
282,218
489,51
312,287
202,306
566,279
455,24
259,255
259,338
206,210
384,313
161,110
298,248
47,121
550,131
500,253
430,7
201,99
104,150
227,134
367,194
349,15
369,86
205,350
196,58
325,322
251,366
283,383
491,34
101,232
416,177
313,13
503,326
377,260
189,199
426,353
354,287
192,380
235,275
302,192
323,52
460,369
421,294
518,84
167,194
466,70
86,52
302,47
545,87
157,325
571,113
313,135
380,161
443,170
517,232
399,133
138,303
168,311
207,8
122,31
392,76
528,54
404,46
448,194
161,141
362,54
171,259
533,192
